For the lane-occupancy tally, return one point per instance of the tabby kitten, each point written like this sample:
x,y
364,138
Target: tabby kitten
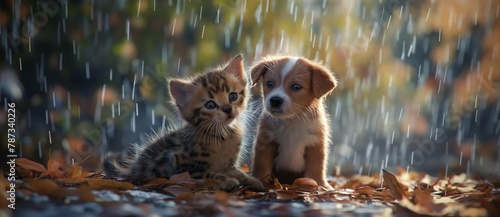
x,y
208,146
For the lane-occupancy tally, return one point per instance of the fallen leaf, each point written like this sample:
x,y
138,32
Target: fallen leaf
x,y
74,171
304,184
4,186
30,165
180,177
54,168
84,192
425,200
397,189
47,187
206,183
277,184
286,194
104,184
176,190
158,182
4,182
71,181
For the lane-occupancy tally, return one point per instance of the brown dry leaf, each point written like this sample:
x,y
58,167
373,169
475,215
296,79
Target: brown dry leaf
x,y
4,184
47,187
177,178
286,194
30,165
425,200
84,192
277,184
304,184
364,192
54,168
158,182
351,184
206,183
221,197
71,181
397,188
104,184
177,190
75,171
26,173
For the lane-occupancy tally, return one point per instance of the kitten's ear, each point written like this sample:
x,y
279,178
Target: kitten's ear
x,y
323,82
180,92
258,70
235,67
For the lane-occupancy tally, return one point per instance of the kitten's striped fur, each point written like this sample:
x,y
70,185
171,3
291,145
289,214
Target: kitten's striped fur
x,y
208,146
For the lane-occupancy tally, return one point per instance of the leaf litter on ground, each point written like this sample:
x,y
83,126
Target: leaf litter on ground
x,y
403,193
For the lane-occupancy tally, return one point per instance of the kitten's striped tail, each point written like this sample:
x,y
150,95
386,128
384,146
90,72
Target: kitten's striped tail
x,y
118,165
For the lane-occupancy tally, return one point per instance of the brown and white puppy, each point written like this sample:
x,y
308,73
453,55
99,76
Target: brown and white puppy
x,y
293,131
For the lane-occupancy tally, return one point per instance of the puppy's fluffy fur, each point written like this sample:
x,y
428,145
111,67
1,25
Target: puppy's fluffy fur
x,y
293,130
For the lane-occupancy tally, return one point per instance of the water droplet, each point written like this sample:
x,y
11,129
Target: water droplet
x,y
87,70
153,117
139,8
127,29
103,92
133,87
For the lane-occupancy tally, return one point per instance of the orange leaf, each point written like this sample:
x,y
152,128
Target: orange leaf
x,y
4,187
159,181
54,168
4,182
85,194
305,184
46,187
30,165
180,177
177,190
397,188
277,184
105,184
71,181
74,171
286,195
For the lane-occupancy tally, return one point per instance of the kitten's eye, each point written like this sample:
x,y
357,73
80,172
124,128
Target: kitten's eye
x,y
233,96
270,84
296,87
210,105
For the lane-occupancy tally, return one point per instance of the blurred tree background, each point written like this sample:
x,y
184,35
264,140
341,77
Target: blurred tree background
x,y
419,79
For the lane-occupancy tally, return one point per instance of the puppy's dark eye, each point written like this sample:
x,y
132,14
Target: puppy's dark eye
x,y
210,105
233,96
270,84
296,87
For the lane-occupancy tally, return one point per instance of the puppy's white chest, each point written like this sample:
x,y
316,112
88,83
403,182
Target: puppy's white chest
x,y
293,138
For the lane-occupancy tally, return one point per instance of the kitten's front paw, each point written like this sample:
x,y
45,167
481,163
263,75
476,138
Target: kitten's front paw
x,y
326,185
254,183
228,183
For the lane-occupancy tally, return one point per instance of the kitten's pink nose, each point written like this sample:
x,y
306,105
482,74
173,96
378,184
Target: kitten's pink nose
x,y
227,109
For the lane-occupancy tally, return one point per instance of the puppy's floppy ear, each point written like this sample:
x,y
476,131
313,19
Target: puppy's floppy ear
x,y
258,70
235,67
323,82
180,92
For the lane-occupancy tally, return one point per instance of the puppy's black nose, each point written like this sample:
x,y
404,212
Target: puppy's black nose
x,y
276,101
